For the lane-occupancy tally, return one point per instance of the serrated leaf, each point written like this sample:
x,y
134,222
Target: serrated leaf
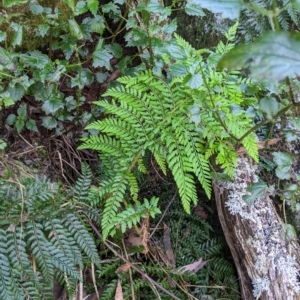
x,y
5,99
35,8
6,61
192,9
106,8
49,122
137,37
101,57
2,36
84,77
257,190
101,77
22,111
270,106
17,37
194,81
19,125
75,30
10,120
42,30
295,122
272,57
228,8
178,70
16,92
81,8
52,105
284,163
97,24
289,232
31,125
93,6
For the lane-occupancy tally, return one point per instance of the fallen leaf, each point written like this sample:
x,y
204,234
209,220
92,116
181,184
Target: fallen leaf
x,y
194,267
119,291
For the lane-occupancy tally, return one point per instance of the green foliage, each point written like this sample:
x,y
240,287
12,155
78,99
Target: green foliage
x,y
148,114
42,238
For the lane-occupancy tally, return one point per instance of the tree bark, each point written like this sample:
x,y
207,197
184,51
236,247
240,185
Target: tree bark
x,y
267,262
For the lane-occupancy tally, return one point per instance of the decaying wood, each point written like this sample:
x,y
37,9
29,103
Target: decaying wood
x,y
267,263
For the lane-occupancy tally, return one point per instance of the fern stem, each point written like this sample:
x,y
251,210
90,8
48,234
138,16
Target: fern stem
x,y
132,265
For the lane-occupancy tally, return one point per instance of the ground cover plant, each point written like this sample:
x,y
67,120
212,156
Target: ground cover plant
x,y
158,122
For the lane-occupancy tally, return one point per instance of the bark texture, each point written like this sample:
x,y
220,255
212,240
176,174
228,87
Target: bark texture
x,y
267,262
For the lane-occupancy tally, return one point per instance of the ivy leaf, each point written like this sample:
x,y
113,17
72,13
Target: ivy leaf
x,y
228,8
270,106
284,163
75,30
31,125
101,57
194,10
17,38
93,6
272,57
49,122
257,190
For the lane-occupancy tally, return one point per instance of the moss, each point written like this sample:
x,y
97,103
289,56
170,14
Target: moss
x,y
23,16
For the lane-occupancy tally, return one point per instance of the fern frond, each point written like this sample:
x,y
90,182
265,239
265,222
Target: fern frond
x,y
82,237
81,188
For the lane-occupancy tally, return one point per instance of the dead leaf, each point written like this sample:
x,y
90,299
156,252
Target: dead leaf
x,y
194,267
119,291
124,268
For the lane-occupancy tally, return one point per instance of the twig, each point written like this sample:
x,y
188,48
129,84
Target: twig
x,y
131,265
163,215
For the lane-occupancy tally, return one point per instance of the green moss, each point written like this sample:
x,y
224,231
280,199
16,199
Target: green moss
x,y
22,15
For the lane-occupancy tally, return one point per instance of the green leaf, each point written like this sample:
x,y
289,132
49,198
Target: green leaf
x,y
2,36
52,105
49,122
17,38
10,120
6,60
270,106
194,81
284,163
35,8
31,125
295,122
42,30
101,77
84,77
75,30
194,10
289,232
19,125
2,145
93,6
257,190
97,24
228,8
16,92
22,111
110,6
70,3
272,57
81,8
9,3
101,57
5,99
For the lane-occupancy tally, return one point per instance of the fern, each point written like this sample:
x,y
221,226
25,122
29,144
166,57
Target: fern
x,y
41,240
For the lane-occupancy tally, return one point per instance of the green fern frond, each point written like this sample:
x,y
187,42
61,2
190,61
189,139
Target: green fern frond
x,y
251,145
81,188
